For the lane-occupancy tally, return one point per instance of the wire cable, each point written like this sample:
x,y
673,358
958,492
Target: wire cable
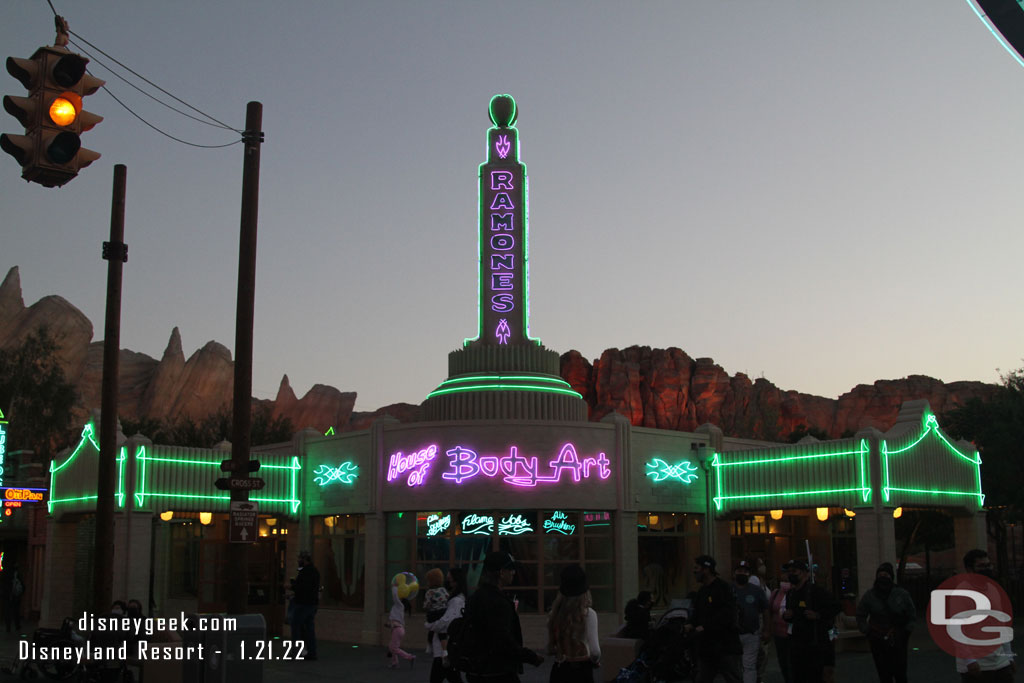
x,y
184,142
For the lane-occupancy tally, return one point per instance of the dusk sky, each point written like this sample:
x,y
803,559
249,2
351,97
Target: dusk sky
x,y
820,193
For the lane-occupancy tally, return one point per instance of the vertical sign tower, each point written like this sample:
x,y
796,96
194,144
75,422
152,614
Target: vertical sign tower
x,y
503,373
504,269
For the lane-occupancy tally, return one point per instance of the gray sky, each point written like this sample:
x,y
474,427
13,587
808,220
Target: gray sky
x,y
824,193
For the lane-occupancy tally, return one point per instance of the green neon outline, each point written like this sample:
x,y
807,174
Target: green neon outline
x,y
659,476
142,494
499,378
480,231
88,436
503,387
929,426
861,452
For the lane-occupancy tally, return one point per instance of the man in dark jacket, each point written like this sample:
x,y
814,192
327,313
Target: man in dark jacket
x,y
715,625
494,618
306,586
811,612
885,615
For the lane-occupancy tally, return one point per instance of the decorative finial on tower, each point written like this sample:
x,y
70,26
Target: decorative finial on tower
x,y
502,110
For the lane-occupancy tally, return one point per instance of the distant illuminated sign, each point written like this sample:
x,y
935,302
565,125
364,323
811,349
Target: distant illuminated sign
x,y
437,524
345,473
478,525
21,495
683,471
415,464
558,523
3,445
514,525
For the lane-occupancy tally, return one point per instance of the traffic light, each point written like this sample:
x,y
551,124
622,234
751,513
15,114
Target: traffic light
x,y
50,152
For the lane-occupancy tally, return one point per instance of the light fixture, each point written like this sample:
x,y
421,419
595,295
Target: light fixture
x,y
166,515
822,514
776,514
329,521
849,513
654,520
897,513
271,521
205,518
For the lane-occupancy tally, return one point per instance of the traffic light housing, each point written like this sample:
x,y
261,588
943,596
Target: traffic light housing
x,y
50,152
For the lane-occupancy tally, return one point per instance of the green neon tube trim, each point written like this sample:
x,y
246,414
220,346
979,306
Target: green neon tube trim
x,y
931,426
122,457
50,503
783,494
504,387
501,378
788,458
88,435
941,493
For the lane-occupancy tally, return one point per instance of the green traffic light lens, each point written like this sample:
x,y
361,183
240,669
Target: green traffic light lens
x,y
63,148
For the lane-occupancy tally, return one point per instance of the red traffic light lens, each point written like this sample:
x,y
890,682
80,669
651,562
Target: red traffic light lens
x,y
68,70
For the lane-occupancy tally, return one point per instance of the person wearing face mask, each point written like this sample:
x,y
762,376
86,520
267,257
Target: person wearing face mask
x,y
810,611
885,614
780,629
754,621
1000,665
714,625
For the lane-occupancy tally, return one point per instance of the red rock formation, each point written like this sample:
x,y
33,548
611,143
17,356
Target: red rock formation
x,y
665,388
662,388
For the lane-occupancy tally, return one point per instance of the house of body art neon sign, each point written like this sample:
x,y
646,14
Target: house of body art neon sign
x,y
514,468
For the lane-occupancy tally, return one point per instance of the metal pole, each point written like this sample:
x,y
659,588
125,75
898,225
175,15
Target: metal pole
x,y
238,553
115,252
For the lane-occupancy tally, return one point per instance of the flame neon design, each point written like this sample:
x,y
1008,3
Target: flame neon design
x,y
503,146
503,332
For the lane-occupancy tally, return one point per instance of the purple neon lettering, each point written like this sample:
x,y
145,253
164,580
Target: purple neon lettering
x,y
501,281
462,463
416,463
503,261
502,303
519,470
502,202
502,241
501,180
502,146
503,221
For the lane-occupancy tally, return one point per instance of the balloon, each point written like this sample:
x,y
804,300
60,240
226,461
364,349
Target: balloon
x,y
405,585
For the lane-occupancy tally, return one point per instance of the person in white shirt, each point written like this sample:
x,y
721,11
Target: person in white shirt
x,y
999,666
441,669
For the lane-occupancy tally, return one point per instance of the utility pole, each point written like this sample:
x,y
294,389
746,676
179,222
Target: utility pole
x,y
238,553
115,252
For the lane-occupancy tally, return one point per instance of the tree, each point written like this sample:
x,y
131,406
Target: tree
x,y
36,397
996,426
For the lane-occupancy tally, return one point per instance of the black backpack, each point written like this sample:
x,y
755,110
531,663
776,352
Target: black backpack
x,y
466,650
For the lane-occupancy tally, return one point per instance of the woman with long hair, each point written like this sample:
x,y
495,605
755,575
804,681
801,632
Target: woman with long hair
x,y
441,669
572,630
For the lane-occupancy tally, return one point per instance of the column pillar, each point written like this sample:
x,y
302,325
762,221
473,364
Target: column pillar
x,y
373,607
722,549
58,573
627,550
876,543
969,533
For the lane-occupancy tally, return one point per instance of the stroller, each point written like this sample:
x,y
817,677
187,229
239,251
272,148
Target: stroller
x,y
667,654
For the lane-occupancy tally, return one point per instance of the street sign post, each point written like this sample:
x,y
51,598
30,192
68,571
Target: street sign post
x,y
243,521
240,483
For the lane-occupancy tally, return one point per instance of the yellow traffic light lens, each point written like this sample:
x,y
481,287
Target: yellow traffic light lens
x,y
62,112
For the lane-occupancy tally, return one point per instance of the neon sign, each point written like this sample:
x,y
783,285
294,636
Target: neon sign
x,y
416,464
931,426
558,523
465,464
514,525
345,473
478,525
682,471
436,524
24,495
3,445
503,269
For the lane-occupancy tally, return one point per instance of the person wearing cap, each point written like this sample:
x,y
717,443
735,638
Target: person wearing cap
x,y
572,630
714,625
810,611
754,619
493,613
885,614
306,586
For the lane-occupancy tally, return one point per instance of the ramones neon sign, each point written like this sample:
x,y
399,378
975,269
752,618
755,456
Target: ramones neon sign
x,y
512,467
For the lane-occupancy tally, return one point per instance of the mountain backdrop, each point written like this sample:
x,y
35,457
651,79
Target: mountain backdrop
x,y
662,388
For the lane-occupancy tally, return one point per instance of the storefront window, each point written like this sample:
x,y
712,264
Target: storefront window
x,y
543,542
184,559
667,543
339,553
